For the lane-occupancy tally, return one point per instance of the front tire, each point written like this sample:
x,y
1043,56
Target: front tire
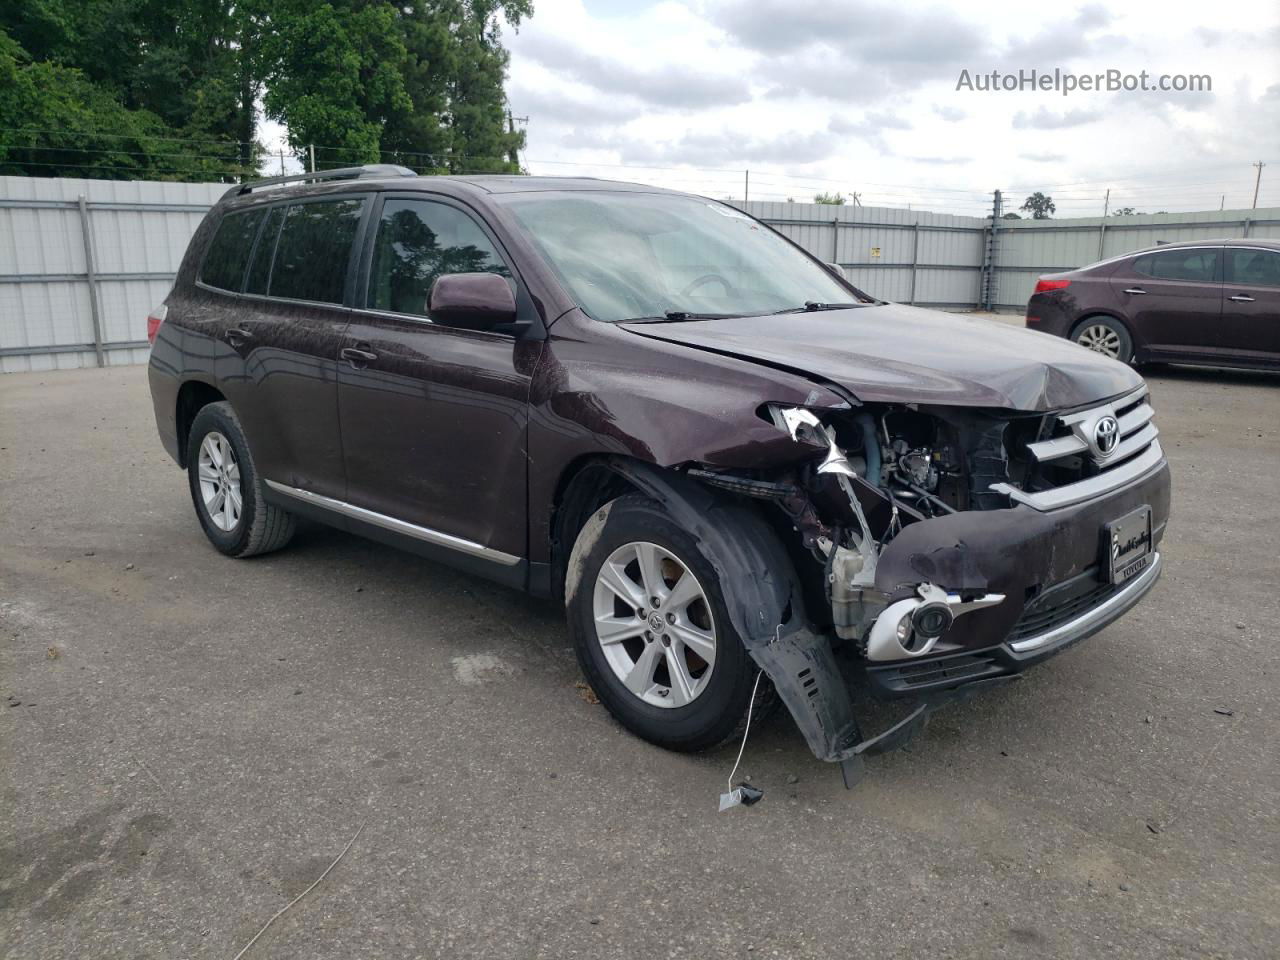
x,y
226,490
652,632
1104,335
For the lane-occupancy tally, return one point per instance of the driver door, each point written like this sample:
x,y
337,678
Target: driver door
x,y
434,418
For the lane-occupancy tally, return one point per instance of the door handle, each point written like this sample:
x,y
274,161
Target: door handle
x,y
1135,290
357,357
236,336
1241,298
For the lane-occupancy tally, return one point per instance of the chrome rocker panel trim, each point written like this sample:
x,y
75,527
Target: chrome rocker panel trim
x,y
1093,620
426,534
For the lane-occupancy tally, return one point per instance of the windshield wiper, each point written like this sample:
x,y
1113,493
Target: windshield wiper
x,y
675,316
813,306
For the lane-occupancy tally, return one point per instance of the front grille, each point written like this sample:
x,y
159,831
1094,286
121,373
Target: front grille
x,y
1061,605
1071,466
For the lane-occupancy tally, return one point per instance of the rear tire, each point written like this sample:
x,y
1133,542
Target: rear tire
x,y
226,490
1105,335
683,702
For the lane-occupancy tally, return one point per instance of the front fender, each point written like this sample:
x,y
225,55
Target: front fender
x,y
601,391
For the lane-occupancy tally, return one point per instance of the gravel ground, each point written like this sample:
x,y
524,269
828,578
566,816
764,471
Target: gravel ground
x,y
187,742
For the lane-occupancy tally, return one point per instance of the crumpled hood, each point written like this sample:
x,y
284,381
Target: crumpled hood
x,y
898,354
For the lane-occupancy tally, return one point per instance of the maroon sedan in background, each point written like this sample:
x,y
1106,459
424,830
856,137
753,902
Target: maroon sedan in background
x,y
1203,301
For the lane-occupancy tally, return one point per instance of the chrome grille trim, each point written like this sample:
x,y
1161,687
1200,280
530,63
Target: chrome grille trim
x,y
1137,414
1073,493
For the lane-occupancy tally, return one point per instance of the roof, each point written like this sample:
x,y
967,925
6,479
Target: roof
x,y
401,178
499,183
1212,241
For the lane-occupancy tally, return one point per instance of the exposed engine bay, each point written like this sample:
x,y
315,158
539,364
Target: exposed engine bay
x,y
884,469
945,549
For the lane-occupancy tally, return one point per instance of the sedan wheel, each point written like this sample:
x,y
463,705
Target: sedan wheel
x,y
219,476
654,624
1100,338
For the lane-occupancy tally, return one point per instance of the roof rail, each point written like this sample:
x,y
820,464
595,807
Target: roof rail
x,y
342,173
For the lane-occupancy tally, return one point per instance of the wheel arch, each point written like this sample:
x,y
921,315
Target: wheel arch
x,y
585,485
193,396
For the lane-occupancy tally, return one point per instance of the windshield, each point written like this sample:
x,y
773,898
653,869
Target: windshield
x,y
627,256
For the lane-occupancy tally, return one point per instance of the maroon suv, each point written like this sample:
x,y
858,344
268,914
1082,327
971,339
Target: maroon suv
x,y
1204,301
725,461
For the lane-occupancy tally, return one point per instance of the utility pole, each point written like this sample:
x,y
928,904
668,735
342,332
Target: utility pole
x,y
311,150
746,185
1257,182
513,155
988,292
1102,232
282,161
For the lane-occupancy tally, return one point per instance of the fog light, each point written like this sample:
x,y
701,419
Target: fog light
x,y
904,630
931,620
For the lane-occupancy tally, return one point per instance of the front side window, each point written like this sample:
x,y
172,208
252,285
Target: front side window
x,y
1253,268
1198,265
654,256
417,241
228,254
314,249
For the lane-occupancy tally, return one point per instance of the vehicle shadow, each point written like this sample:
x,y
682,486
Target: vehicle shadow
x,y
1189,374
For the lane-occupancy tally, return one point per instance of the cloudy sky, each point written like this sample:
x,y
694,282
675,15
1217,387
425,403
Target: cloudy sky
x,y
846,95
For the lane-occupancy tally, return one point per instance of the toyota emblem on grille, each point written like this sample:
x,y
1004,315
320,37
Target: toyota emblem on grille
x,y
1106,436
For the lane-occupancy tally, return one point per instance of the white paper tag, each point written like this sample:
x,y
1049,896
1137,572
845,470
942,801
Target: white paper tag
x,y
731,799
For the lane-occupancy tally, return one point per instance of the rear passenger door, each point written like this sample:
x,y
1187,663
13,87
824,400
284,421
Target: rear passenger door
x,y
286,337
1172,299
1250,328
433,417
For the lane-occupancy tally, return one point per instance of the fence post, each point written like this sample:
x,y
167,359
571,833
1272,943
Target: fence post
x,y
95,308
835,239
915,259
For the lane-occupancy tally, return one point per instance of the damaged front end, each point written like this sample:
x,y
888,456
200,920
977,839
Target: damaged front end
x,y
943,549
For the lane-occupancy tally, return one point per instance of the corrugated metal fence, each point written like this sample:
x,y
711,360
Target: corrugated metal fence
x,y
938,260
83,261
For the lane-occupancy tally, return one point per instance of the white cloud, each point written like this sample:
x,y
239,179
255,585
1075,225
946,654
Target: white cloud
x,y
861,95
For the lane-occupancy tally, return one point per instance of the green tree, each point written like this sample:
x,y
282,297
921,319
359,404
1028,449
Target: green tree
x,y
833,199
334,74
1040,206
178,60
56,122
171,87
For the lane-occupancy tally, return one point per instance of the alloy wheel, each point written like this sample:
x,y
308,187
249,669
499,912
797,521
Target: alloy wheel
x,y
1101,339
654,624
219,475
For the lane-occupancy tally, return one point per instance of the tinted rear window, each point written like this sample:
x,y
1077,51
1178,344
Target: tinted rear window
x,y
1198,265
1253,268
314,249
228,254
260,267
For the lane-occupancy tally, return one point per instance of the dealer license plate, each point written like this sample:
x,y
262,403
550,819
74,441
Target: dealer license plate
x,y
1129,544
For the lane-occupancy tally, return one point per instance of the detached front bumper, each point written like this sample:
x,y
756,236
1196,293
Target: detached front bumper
x,y
1049,565
1061,624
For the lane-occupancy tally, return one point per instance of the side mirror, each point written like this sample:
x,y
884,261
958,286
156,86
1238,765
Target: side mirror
x,y
472,301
